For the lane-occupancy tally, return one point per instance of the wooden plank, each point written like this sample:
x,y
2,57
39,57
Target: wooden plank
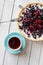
x,y
7,10
3,33
11,59
1,7
15,59
35,53
24,57
41,55
10,5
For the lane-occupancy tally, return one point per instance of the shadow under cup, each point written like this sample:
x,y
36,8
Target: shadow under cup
x,y
14,43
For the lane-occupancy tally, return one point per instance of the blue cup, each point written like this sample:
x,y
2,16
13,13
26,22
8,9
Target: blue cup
x,y
22,43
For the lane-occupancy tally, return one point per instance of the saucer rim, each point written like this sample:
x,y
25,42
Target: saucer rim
x,y
10,50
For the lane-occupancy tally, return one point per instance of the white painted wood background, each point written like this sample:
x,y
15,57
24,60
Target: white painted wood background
x,y
33,53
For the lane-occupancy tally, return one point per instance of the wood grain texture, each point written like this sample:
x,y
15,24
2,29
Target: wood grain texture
x,y
33,52
1,7
3,33
20,58
5,27
7,10
10,58
28,56
41,56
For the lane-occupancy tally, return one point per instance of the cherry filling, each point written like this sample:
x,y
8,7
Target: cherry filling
x,y
31,21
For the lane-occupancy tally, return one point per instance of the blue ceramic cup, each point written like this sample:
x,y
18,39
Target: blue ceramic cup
x,y
22,43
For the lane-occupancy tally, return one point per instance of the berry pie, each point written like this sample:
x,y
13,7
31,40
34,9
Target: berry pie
x,y
31,21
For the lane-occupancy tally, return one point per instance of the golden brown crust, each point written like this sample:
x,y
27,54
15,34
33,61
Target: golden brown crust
x,y
21,31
